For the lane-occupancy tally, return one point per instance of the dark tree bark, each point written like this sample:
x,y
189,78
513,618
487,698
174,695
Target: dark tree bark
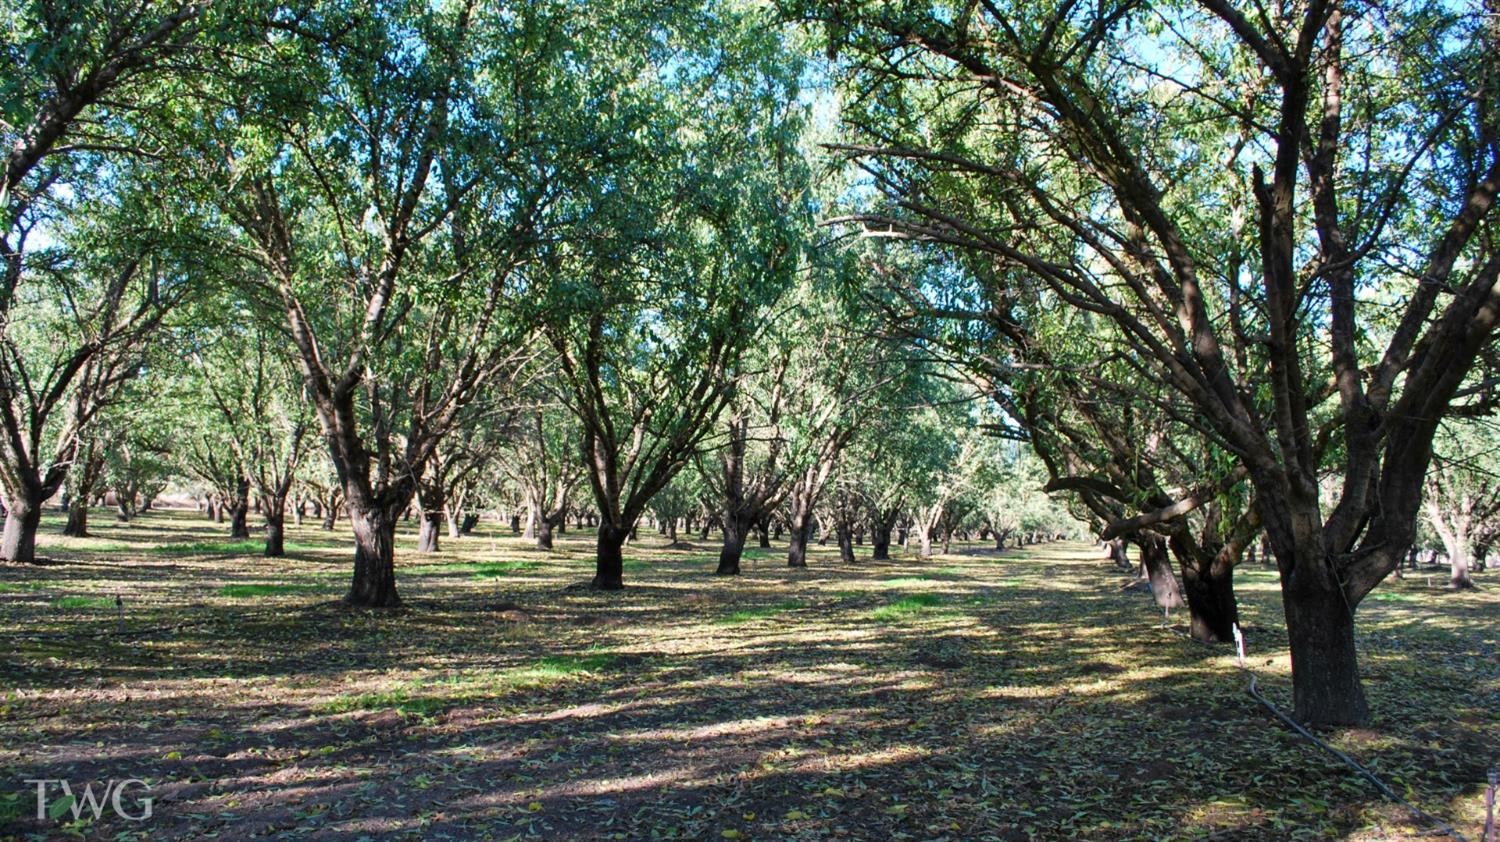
x,y
374,582
609,567
275,534
799,528
239,526
78,520
845,532
544,530
736,530
85,477
1210,597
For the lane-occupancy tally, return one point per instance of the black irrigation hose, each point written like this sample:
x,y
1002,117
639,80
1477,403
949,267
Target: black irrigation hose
x,y
1416,812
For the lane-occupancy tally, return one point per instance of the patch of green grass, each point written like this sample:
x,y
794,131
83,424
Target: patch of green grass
x,y
501,568
485,570
107,546
906,607
18,587
427,696
242,547
562,665
746,615
636,565
1392,596
907,581
84,602
243,591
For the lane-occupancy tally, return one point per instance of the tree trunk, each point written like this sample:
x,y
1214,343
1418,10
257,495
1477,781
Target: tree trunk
x,y
23,516
239,524
374,584
78,519
1158,568
924,541
471,520
1326,689
544,527
1459,578
609,566
330,517
764,528
275,534
453,520
736,530
846,542
515,523
428,529
798,527
880,542
1211,602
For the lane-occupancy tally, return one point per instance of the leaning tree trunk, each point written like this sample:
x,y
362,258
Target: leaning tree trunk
x,y
374,584
1158,568
609,565
23,514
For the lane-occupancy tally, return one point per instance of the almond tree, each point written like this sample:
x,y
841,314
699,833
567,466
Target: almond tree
x,y
71,322
1186,177
387,181
652,311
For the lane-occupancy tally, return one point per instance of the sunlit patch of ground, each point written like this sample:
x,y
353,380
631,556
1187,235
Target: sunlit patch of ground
x,y
973,696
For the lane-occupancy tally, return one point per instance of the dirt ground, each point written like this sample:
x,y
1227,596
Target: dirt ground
x,y
974,696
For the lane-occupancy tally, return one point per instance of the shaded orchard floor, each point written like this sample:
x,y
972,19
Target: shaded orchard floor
x,y
973,696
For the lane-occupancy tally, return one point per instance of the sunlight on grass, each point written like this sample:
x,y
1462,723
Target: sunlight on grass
x,y
426,696
746,615
479,570
243,591
19,587
83,602
907,607
241,547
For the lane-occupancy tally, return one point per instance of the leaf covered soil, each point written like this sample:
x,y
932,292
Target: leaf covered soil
x,y
979,695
